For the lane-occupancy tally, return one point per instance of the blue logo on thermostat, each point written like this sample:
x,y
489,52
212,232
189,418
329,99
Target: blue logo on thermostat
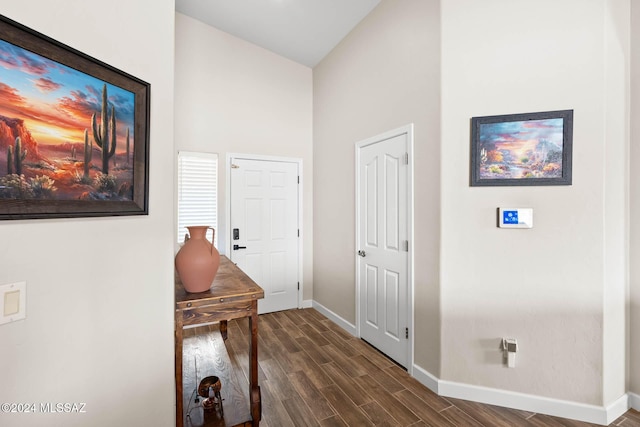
x,y
510,217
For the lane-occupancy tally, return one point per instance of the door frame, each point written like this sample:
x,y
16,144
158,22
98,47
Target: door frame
x,y
408,130
227,199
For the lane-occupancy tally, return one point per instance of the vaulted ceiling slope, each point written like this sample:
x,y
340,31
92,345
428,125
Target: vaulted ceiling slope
x,y
304,31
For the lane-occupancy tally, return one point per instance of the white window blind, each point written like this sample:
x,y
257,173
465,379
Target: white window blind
x,y
197,192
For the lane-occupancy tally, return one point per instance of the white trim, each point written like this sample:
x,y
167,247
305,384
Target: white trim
x,y
426,379
617,408
408,130
538,404
634,401
344,324
227,196
307,303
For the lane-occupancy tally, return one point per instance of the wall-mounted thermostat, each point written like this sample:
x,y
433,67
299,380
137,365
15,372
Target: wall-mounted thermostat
x,y
515,217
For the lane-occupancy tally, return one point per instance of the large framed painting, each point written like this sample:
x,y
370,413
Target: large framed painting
x,y
522,149
74,131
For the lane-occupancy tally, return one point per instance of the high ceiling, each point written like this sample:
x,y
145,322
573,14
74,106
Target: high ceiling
x,y
304,31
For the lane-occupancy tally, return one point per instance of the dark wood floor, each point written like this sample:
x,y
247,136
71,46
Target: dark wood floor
x,y
313,373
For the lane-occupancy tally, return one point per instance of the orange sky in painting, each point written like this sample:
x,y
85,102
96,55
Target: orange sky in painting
x,y
55,101
48,126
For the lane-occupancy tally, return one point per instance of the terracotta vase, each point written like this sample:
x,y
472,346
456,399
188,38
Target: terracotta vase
x,y
197,261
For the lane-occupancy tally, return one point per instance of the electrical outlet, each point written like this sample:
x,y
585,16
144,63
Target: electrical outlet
x,y
13,302
510,347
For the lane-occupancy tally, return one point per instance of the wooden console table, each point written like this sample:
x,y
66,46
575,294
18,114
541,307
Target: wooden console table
x,y
232,295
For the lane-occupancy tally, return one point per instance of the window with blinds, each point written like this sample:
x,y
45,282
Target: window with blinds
x,y
197,192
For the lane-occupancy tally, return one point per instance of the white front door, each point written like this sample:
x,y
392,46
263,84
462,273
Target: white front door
x,y
382,259
264,228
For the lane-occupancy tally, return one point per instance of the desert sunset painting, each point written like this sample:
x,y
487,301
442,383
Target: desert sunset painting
x,y
529,149
64,134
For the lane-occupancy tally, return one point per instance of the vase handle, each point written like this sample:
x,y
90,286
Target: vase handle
x,y
213,237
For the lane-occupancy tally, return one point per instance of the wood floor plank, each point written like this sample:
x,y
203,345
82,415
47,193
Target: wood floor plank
x,y
628,422
346,363
288,343
243,326
371,353
387,382
295,316
378,416
312,314
270,322
312,370
316,402
284,359
314,350
313,334
366,364
278,378
273,411
494,415
540,420
318,326
424,412
288,324
459,418
395,408
430,398
630,419
347,384
299,412
334,421
351,414
337,330
340,344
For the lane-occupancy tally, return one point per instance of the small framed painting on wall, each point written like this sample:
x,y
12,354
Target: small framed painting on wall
x,y
522,149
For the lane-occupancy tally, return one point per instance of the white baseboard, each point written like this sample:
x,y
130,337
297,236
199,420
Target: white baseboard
x,y
617,408
307,303
426,378
634,401
347,326
538,404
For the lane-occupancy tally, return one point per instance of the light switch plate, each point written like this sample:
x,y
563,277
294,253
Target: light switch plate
x,y
515,217
13,298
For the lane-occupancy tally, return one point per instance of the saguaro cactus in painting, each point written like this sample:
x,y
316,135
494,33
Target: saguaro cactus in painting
x,y
104,134
88,154
19,156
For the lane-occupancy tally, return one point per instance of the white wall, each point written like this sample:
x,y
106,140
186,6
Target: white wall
x,y
634,225
235,97
617,51
547,286
99,326
384,75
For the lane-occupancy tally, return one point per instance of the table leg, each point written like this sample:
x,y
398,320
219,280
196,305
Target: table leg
x,y
223,329
254,389
178,368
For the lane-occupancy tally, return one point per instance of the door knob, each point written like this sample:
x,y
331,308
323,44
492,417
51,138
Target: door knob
x,y
236,247
362,254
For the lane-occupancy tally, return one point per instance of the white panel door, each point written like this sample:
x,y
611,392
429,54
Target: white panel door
x,y
383,246
264,228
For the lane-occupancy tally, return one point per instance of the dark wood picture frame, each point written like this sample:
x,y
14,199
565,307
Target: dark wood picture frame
x,y
125,102
522,149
